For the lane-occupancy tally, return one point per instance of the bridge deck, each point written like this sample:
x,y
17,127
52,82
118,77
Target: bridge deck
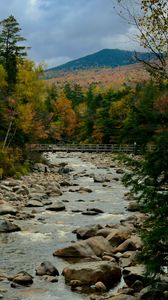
x,y
85,148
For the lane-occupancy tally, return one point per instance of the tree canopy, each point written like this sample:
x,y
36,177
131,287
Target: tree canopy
x,y
11,50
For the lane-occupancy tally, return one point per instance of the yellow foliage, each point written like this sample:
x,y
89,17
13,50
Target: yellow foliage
x,y
26,117
65,115
119,109
29,87
29,123
3,76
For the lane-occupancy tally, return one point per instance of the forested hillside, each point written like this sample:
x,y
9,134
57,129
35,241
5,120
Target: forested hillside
x,y
104,58
128,75
33,111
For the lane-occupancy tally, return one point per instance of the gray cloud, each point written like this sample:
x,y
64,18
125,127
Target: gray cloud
x,y
61,30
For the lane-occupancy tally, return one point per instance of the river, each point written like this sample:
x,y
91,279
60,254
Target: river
x,y
48,231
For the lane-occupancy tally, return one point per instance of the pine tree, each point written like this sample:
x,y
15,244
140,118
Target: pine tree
x,y
11,50
149,179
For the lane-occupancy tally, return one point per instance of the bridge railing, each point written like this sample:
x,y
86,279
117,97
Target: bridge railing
x,y
131,148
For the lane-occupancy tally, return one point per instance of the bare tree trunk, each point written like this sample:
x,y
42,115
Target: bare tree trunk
x,y
7,135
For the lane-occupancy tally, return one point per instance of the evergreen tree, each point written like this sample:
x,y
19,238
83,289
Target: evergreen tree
x,y
149,179
11,50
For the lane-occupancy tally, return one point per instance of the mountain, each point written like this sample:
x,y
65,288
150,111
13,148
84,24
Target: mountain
x,y
103,59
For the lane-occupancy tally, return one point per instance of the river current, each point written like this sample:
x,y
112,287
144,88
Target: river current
x,y
50,230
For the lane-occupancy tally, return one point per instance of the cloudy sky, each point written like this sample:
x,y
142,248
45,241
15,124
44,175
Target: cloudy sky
x,y
62,30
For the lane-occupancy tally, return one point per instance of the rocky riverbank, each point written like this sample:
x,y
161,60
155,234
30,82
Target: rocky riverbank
x,y
100,263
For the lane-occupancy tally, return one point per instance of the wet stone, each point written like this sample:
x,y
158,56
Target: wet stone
x,y
34,203
6,208
56,206
87,231
7,226
100,286
50,278
46,268
23,278
93,272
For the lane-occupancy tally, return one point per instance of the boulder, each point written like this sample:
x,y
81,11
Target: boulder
x,y
6,208
38,196
99,179
87,231
127,261
65,170
23,278
46,202
118,236
92,211
134,273
34,203
133,206
23,190
94,246
56,206
6,188
119,171
149,293
65,183
46,268
7,226
104,232
75,283
91,273
137,286
41,167
99,286
50,278
54,191
84,190
132,244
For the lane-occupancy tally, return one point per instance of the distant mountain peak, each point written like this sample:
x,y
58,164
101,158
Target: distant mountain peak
x,y
104,58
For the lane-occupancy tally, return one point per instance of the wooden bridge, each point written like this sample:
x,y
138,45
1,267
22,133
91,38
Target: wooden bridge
x,y
84,148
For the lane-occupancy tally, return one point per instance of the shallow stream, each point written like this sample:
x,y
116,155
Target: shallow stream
x,y
48,231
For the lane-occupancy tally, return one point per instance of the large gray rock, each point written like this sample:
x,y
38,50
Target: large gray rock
x,y
38,196
128,259
41,167
7,226
94,246
92,211
104,232
56,206
34,203
87,231
46,268
53,191
99,178
132,244
90,273
6,208
84,190
118,236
